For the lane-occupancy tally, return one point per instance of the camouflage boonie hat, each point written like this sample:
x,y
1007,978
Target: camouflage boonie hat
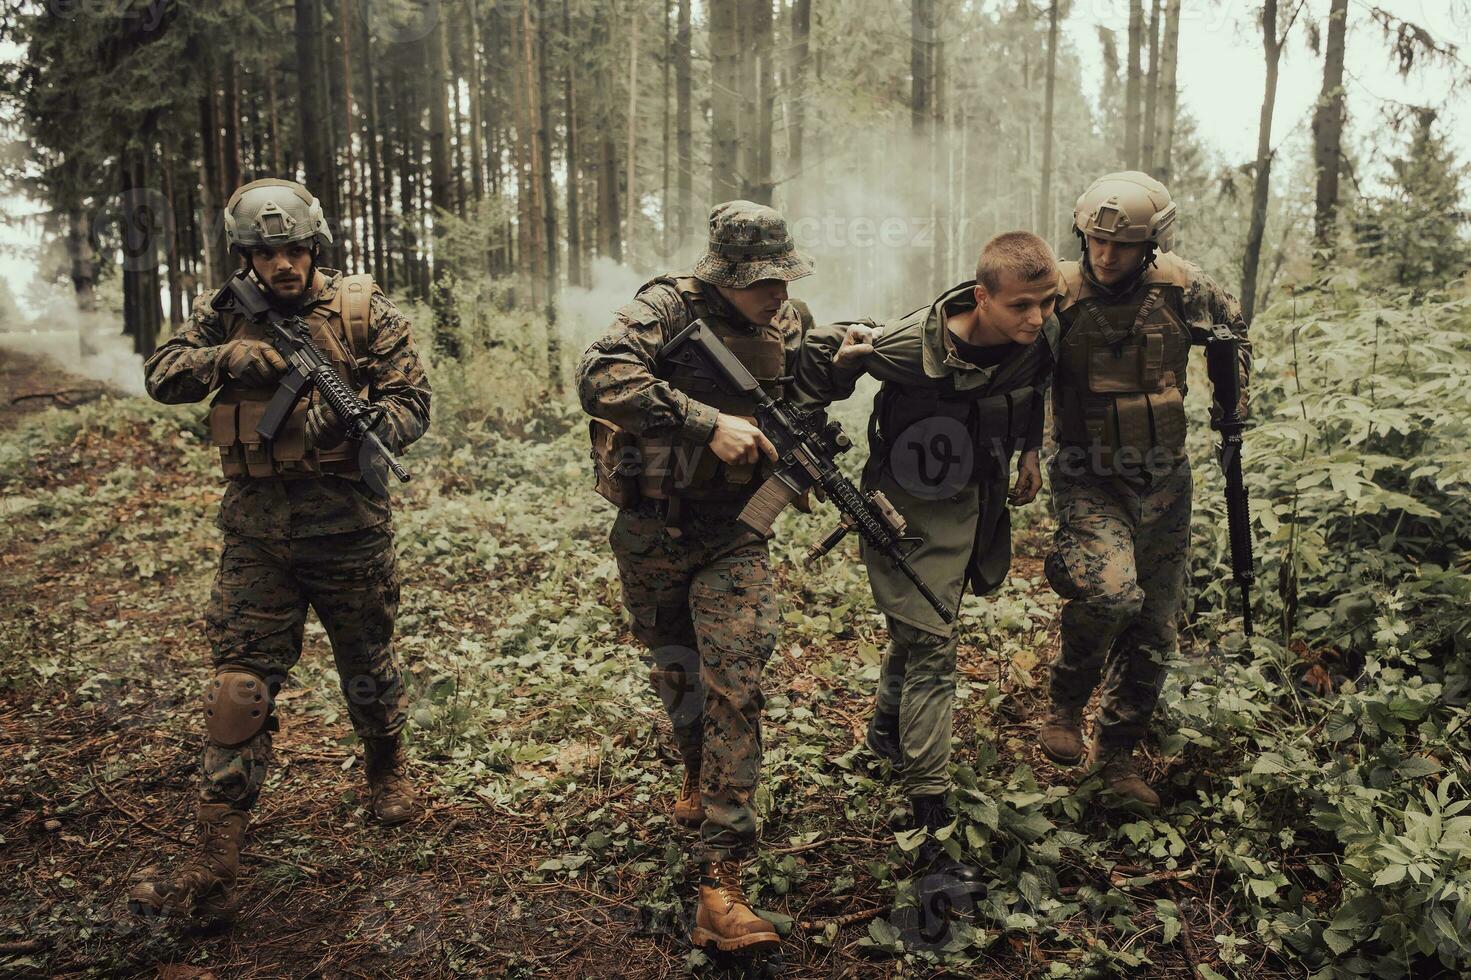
x,y
749,242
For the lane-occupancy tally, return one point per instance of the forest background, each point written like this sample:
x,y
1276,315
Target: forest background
x,y
511,171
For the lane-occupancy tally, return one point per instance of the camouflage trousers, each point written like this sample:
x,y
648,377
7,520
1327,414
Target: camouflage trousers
x,y
257,613
917,683
1118,561
704,606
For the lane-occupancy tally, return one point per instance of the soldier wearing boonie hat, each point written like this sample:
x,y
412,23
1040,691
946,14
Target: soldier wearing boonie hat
x,y
680,459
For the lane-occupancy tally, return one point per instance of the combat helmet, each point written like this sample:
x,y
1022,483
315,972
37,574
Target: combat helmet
x,y
1128,206
272,213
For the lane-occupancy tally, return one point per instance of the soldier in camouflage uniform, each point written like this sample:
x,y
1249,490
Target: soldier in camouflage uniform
x,y
963,383
301,529
1121,484
696,585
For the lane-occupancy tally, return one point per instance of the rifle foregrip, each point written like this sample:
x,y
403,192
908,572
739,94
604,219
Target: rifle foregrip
x,y
766,505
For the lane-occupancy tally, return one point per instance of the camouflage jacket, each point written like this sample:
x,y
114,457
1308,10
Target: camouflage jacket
x,y
962,517
616,380
184,369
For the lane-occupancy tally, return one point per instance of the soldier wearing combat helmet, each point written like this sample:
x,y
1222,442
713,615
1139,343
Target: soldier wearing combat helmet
x,y
301,527
680,459
1120,480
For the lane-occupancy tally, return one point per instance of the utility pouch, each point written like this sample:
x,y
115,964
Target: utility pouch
x,y
616,463
1130,366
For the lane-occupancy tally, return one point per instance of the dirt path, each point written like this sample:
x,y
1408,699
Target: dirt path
x,y
31,383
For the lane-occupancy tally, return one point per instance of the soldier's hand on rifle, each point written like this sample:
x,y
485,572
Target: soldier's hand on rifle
x,y
1028,480
251,362
324,427
857,344
737,441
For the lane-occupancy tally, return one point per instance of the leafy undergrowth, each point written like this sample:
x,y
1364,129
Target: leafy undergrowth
x,y
1313,808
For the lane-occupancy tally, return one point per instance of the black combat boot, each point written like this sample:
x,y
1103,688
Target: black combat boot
x,y
883,736
931,813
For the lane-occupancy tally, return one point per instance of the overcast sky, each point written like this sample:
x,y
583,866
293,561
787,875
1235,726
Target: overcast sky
x,y
1221,80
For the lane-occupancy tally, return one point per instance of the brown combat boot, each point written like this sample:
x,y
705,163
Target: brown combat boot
x,y
1120,774
689,808
203,886
724,918
390,789
1061,736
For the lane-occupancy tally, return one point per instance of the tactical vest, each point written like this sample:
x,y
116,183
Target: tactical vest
x,y
673,466
340,329
996,416
1121,367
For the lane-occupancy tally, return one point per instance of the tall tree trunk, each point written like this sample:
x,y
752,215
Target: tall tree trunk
x,y
311,100
1132,86
725,107
351,241
440,188
1046,221
1262,185
921,74
231,114
1169,93
757,181
457,123
370,136
573,161
940,163
176,293
797,83
630,184
666,65
477,108
1328,135
529,127
549,201
684,127
211,201
83,260
408,141
1151,92
277,166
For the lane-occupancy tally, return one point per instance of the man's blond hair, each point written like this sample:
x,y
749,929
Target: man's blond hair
x,y
1019,254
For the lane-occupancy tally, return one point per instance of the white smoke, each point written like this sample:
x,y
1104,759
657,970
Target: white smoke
x,y
586,313
89,345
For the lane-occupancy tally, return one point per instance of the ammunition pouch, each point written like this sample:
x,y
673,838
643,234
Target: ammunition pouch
x,y
1120,386
341,329
616,463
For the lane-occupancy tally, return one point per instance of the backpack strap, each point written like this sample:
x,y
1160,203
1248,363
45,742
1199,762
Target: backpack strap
x,y
357,302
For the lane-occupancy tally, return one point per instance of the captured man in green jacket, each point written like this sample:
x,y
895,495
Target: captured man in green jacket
x,y
963,382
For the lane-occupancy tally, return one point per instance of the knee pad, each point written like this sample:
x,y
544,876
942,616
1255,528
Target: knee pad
x,y
237,706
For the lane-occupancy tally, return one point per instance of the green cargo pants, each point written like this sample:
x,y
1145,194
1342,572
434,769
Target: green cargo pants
x,y
917,683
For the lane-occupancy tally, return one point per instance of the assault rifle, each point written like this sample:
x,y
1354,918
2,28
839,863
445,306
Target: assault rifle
x,y
309,367
807,448
1222,365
